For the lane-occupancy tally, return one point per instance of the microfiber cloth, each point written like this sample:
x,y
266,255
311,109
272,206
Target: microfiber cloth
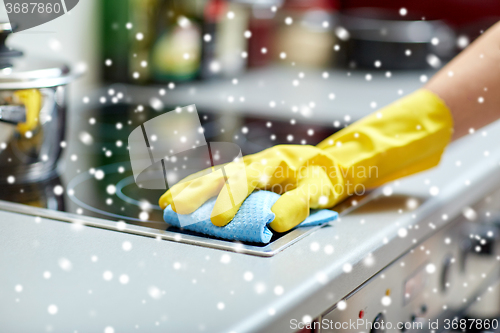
x,y
250,223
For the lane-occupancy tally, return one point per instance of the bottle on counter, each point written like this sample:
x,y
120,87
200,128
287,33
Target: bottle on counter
x,y
232,45
115,39
261,29
142,35
224,43
306,32
176,53
212,16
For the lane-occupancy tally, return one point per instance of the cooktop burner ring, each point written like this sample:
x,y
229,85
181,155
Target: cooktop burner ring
x,y
109,169
119,193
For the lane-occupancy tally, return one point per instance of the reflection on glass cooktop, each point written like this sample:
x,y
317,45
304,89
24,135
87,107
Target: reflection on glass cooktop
x,y
96,178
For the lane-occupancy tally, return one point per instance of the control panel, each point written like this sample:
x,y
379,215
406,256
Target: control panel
x,y
429,286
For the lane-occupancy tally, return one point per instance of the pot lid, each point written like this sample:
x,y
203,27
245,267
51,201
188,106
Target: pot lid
x,y
18,71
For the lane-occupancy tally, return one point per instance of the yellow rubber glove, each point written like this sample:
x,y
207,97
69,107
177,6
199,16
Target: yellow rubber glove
x,y
307,177
32,100
403,138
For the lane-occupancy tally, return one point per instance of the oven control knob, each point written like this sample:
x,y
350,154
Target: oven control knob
x,y
483,242
378,325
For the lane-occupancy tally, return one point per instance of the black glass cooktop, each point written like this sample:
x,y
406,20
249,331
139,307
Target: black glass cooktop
x,y
95,177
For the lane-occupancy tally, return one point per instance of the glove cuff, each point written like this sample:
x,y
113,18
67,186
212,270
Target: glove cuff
x,y
403,138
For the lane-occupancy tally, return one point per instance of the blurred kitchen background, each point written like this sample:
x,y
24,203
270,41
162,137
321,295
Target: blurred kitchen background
x,y
177,41
281,71
163,41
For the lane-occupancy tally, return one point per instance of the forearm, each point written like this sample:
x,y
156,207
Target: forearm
x,y
470,84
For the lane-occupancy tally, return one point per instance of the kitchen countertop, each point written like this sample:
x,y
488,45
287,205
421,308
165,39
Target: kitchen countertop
x,y
176,287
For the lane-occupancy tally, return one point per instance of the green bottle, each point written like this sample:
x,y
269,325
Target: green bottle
x,y
115,40
176,54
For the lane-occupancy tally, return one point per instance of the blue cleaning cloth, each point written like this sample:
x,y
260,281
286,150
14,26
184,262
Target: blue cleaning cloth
x,y
250,223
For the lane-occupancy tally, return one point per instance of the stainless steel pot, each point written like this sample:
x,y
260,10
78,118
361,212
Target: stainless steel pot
x,y
32,113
